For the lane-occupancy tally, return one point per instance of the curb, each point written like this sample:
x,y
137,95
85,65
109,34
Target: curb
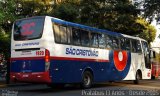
x,y
14,84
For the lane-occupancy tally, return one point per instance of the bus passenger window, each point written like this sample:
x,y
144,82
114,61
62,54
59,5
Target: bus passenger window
x,y
94,39
122,43
76,36
69,34
139,49
85,38
108,41
101,39
145,48
63,34
134,46
128,44
57,33
115,43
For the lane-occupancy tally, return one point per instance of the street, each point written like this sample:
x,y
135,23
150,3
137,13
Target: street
x,y
124,88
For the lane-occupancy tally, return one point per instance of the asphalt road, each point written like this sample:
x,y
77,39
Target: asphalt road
x,y
124,88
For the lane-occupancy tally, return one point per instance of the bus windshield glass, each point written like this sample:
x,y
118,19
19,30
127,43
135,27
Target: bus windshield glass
x,y
28,29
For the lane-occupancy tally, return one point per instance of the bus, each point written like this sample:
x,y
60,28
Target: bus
x,y
155,70
49,50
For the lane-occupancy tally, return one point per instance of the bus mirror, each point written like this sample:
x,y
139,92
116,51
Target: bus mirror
x,y
152,54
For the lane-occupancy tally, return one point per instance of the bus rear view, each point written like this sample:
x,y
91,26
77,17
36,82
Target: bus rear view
x,y
29,59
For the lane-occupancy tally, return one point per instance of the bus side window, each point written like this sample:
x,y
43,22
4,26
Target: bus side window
x,y
139,49
122,43
85,38
76,36
63,34
101,39
134,45
94,39
115,43
145,48
108,41
128,44
60,33
69,34
56,33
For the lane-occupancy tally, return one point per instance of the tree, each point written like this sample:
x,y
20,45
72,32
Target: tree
x,y
151,8
28,8
148,31
114,15
7,16
67,10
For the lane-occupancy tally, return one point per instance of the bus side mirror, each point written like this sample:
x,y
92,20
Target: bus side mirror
x,y
152,54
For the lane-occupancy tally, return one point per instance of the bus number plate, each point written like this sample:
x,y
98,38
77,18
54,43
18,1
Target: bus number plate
x,y
25,75
39,53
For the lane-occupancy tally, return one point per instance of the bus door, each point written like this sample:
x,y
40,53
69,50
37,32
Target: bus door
x,y
147,66
137,56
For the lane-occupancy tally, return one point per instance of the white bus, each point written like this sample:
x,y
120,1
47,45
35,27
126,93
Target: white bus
x,y
53,51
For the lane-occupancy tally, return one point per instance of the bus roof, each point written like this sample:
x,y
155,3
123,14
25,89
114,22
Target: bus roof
x,y
59,21
63,22
67,23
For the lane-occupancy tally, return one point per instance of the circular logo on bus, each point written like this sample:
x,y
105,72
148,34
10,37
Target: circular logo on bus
x,y
120,60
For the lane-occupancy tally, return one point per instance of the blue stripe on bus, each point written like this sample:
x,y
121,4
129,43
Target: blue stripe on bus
x,y
28,65
85,27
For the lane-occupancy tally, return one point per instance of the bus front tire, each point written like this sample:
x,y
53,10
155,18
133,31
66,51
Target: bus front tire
x,y
87,80
137,78
153,77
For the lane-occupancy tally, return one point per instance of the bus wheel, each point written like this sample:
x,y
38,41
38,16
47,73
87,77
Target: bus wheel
x,y
152,77
138,78
87,79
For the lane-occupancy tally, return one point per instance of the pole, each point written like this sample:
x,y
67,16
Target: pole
x,y
8,71
158,65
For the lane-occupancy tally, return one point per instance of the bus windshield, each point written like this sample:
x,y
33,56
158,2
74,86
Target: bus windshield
x,y
28,29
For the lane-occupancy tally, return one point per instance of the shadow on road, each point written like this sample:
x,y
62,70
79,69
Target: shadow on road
x,y
71,87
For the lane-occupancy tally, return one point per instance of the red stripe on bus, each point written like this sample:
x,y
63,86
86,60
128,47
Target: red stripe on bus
x,y
60,58
79,59
27,58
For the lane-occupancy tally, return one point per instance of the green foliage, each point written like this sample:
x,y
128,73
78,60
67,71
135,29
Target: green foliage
x,y
28,8
66,11
148,31
114,15
151,7
7,16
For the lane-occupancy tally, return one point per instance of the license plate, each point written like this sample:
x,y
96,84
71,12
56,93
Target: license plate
x,y
25,75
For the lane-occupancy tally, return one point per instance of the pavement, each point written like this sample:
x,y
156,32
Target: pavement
x,y
4,84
